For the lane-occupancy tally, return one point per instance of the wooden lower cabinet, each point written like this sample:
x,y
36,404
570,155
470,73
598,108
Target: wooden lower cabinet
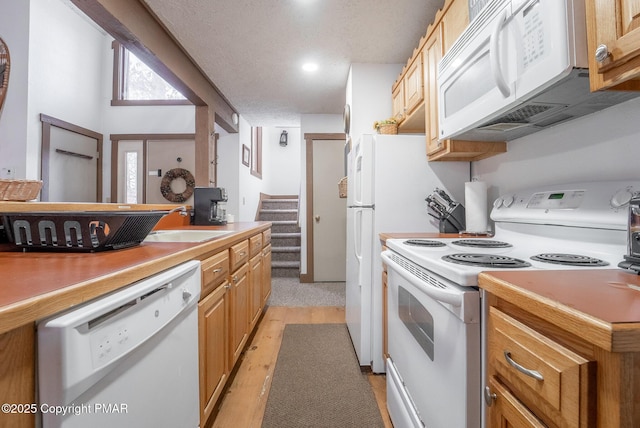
x,y
554,383
239,312
228,312
213,335
266,274
255,285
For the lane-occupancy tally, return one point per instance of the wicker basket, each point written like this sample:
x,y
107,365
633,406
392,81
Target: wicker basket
x,y
389,129
19,190
342,187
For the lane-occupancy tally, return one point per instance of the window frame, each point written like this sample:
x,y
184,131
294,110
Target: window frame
x,y
117,97
256,152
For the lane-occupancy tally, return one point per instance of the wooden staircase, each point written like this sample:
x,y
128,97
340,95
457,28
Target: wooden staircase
x,y
282,212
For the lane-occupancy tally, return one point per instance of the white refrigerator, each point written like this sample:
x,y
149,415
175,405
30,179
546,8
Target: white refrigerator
x,y
388,180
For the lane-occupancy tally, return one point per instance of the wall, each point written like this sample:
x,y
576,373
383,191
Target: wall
x,y
600,146
281,165
67,74
368,92
229,170
14,30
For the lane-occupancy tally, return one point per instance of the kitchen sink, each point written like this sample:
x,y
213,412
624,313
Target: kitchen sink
x,y
184,235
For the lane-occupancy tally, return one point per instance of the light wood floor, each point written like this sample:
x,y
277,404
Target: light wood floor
x,y
244,402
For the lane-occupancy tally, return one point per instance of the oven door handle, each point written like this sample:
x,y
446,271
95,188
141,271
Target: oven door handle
x,y
453,298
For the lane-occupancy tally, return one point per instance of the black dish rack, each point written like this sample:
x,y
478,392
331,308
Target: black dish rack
x,y
79,231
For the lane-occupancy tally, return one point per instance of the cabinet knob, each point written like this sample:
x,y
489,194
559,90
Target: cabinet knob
x,y
602,53
489,397
235,278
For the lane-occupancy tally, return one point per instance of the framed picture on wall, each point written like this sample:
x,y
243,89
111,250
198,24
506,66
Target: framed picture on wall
x,y
246,155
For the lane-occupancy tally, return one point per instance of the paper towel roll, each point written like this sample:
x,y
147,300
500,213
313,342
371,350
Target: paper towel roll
x,y
475,198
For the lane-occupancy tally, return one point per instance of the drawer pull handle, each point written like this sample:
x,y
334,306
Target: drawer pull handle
x,y
243,253
532,373
217,270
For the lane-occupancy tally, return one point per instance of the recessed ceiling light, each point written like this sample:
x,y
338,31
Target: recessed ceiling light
x,y
310,67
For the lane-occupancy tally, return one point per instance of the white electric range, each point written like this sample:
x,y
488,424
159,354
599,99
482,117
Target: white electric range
x,y
435,373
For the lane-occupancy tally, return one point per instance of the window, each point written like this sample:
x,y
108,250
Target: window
x,y
134,83
131,177
256,151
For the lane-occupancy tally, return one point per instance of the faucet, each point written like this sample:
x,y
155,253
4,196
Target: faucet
x,y
182,209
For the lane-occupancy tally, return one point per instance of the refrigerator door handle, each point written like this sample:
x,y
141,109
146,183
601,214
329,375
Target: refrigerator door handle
x,y
357,247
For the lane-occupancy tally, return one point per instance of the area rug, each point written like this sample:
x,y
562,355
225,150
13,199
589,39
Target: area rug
x,y
317,382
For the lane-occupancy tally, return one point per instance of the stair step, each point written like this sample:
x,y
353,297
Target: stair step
x,y
285,235
285,249
284,222
285,264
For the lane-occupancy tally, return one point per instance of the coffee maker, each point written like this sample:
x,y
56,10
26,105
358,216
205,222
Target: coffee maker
x,y
210,206
632,258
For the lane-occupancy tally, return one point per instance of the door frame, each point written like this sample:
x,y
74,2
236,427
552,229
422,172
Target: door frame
x,y
115,140
309,138
45,162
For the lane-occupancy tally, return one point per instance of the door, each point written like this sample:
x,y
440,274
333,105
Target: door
x,y
164,155
73,167
329,211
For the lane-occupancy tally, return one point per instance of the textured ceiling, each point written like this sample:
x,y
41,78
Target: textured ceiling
x,y
253,50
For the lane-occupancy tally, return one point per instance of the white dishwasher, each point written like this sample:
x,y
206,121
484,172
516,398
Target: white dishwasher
x,y
129,359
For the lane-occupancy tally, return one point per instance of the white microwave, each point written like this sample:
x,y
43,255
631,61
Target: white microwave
x,y
519,67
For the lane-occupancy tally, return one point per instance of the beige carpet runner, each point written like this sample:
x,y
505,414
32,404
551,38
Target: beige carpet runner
x,y
317,382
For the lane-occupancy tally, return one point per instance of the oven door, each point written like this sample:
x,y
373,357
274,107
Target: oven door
x,y
435,352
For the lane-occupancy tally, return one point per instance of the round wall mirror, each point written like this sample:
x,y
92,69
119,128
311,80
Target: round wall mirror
x,y
4,71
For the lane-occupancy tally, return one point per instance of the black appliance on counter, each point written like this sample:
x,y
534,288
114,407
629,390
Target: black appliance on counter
x,y
210,206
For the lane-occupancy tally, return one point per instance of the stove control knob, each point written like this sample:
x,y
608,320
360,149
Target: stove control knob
x,y
497,203
508,201
621,198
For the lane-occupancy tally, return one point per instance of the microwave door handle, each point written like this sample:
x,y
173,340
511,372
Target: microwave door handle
x,y
495,57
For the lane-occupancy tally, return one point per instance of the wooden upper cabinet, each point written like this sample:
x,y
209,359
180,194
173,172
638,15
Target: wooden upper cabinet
x,y
454,21
397,97
413,89
613,31
432,55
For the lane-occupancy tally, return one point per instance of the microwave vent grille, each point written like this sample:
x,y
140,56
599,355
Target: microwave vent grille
x,y
522,114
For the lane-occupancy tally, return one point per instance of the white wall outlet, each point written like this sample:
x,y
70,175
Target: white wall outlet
x,y
7,172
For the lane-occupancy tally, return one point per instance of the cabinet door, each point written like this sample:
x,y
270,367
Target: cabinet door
x,y
239,301
454,22
506,411
213,336
432,55
613,30
255,286
266,274
397,99
413,85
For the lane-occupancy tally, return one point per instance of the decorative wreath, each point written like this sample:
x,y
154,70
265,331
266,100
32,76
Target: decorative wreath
x,y
169,176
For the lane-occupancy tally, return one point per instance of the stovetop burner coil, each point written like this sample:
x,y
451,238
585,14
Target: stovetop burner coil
x,y
481,243
569,259
485,260
424,243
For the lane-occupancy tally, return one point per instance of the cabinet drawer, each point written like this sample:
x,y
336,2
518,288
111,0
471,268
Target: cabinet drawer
x,y
508,411
266,237
540,371
239,254
214,270
255,244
